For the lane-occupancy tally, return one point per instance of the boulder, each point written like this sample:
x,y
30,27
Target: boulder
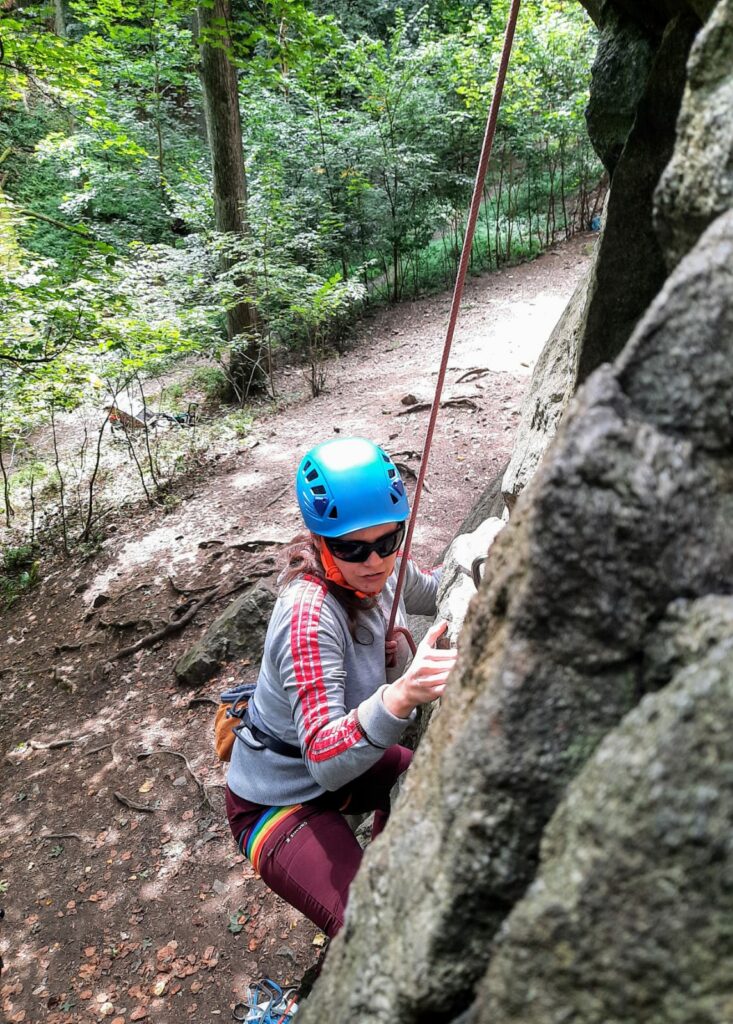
x,y
697,185
628,920
238,633
629,511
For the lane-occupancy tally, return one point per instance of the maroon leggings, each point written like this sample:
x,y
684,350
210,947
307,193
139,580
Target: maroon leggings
x,y
311,858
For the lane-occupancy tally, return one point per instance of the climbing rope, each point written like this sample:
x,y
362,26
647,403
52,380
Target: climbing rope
x,y
457,295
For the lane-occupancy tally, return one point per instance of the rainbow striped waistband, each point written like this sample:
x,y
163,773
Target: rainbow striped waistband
x,y
262,828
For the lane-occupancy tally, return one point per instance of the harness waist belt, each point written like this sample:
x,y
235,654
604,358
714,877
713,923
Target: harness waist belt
x,y
271,742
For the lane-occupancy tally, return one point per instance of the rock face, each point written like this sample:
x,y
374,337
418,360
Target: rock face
x,y
697,185
238,633
457,582
631,510
638,83
630,267
629,916
612,578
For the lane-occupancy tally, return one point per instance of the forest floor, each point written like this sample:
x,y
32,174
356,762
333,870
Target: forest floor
x,y
121,914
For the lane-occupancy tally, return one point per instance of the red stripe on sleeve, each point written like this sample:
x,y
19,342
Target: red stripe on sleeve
x,y
321,740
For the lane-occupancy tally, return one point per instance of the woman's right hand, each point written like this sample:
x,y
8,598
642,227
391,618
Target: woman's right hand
x,y
424,681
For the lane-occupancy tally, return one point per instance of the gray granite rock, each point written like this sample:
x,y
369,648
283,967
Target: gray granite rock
x,y
630,510
628,920
238,633
457,585
697,185
630,267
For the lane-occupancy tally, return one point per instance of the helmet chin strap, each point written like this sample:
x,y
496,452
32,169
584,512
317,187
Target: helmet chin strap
x,y
333,573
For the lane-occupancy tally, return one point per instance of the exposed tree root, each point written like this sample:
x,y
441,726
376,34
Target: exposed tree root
x,y
87,642
196,701
126,802
57,744
471,375
192,773
178,620
449,403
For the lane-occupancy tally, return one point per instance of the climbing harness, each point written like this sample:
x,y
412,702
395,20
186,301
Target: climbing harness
x,y
267,1003
457,295
233,719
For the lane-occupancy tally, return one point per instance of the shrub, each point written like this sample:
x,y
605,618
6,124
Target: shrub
x,y
212,381
20,573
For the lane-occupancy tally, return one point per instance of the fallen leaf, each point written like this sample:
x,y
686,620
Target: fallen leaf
x,y
166,953
146,786
319,939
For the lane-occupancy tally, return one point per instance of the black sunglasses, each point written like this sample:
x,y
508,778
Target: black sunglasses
x,y
360,550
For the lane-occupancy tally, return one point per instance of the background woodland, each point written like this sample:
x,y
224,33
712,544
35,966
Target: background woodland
x,y
235,183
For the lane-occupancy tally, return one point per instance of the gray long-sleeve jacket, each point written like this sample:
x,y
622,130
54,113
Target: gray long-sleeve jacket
x,y
320,689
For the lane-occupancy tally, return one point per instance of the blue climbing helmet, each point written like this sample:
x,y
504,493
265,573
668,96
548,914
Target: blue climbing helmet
x,y
349,484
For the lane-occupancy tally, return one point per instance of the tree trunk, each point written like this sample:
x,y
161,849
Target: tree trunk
x,y
224,127
59,18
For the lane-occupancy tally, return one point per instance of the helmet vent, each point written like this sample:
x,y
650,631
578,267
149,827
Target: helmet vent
x,y
318,489
313,475
395,499
333,514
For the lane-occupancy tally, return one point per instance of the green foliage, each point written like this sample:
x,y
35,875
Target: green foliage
x,y
361,128
211,380
35,472
20,572
239,422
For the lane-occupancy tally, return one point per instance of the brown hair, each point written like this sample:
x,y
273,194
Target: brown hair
x,y
304,559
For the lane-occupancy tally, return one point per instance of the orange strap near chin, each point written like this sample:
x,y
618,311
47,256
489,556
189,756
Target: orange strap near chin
x,y
333,573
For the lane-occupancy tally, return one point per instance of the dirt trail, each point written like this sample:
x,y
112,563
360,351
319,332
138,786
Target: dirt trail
x,y
114,913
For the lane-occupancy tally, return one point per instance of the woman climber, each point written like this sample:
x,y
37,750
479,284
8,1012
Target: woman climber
x,y
321,733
